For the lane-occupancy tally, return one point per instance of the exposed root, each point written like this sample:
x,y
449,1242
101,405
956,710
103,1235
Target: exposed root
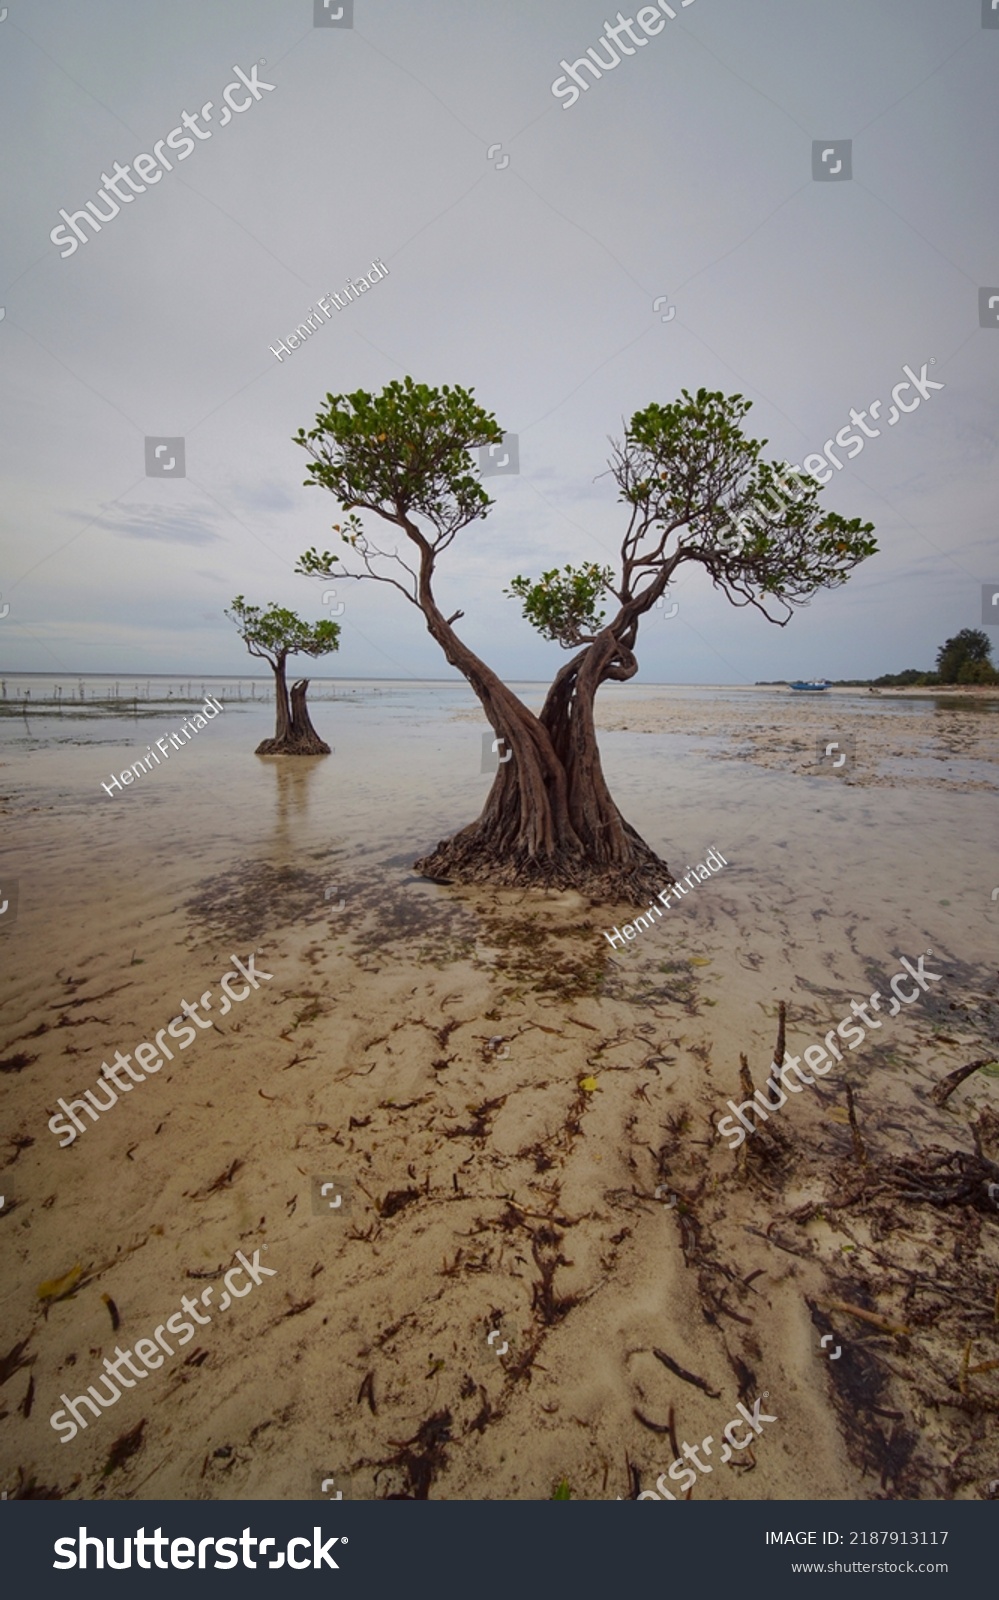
x,y
468,859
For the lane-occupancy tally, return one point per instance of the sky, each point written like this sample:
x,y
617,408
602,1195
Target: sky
x,y
527,238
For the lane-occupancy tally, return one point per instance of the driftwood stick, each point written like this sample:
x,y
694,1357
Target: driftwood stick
x,y
688,1377
858,1143
945,1088
962,1381
656,1427
872,1317
779,1048
745,1076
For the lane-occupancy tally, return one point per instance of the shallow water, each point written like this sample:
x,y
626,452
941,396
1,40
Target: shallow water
x,y
406,771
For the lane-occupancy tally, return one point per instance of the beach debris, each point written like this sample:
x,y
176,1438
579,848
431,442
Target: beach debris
x,y
14,1360
112,1312
54,1289
31,1489
962,1381
367,1392
688,1377
481,1118
562,1490
588,1084
858,1144
125,1446
223,1181
945,1088
422,1463
296,1308
973,1180
29,1398
19,1142
396,1200
654,1427
874,1318
779,1048
16,1063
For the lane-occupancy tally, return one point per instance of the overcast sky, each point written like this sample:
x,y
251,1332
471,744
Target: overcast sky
x,y
685,172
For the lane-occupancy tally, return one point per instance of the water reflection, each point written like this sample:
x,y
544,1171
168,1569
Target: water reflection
x,y
966,702
293,776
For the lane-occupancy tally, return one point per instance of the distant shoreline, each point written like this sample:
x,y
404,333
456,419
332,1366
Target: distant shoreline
x,y
924,691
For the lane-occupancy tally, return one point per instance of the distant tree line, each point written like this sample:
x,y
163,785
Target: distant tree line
x,y
965,659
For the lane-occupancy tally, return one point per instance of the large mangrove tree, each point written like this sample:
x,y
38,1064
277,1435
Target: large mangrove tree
x,y
694,489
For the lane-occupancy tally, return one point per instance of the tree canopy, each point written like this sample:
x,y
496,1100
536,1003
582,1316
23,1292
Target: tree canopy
x,y
274,635
689,474
695,489
277,633
966,658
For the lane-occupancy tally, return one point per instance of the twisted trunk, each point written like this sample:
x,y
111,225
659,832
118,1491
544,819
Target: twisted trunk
x,y
294,734
549,820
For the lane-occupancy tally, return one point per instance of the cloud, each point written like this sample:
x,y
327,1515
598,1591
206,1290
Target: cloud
x,y
266,497
167,526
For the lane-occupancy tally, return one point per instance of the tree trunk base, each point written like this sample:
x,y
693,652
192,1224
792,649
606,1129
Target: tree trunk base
x,y
468,859
313,746
301,738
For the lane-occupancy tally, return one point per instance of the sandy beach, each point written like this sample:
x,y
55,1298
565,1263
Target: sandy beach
x,y
546,1266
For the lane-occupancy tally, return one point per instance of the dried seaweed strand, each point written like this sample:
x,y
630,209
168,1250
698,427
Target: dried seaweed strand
x,y
688,1377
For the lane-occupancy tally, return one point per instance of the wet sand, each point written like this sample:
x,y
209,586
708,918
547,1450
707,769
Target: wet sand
x,y
497,1095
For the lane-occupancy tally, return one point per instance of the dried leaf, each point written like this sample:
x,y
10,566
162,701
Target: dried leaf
x,y
58,1288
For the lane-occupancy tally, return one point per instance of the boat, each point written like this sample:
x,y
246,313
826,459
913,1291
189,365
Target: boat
x,y
813,686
